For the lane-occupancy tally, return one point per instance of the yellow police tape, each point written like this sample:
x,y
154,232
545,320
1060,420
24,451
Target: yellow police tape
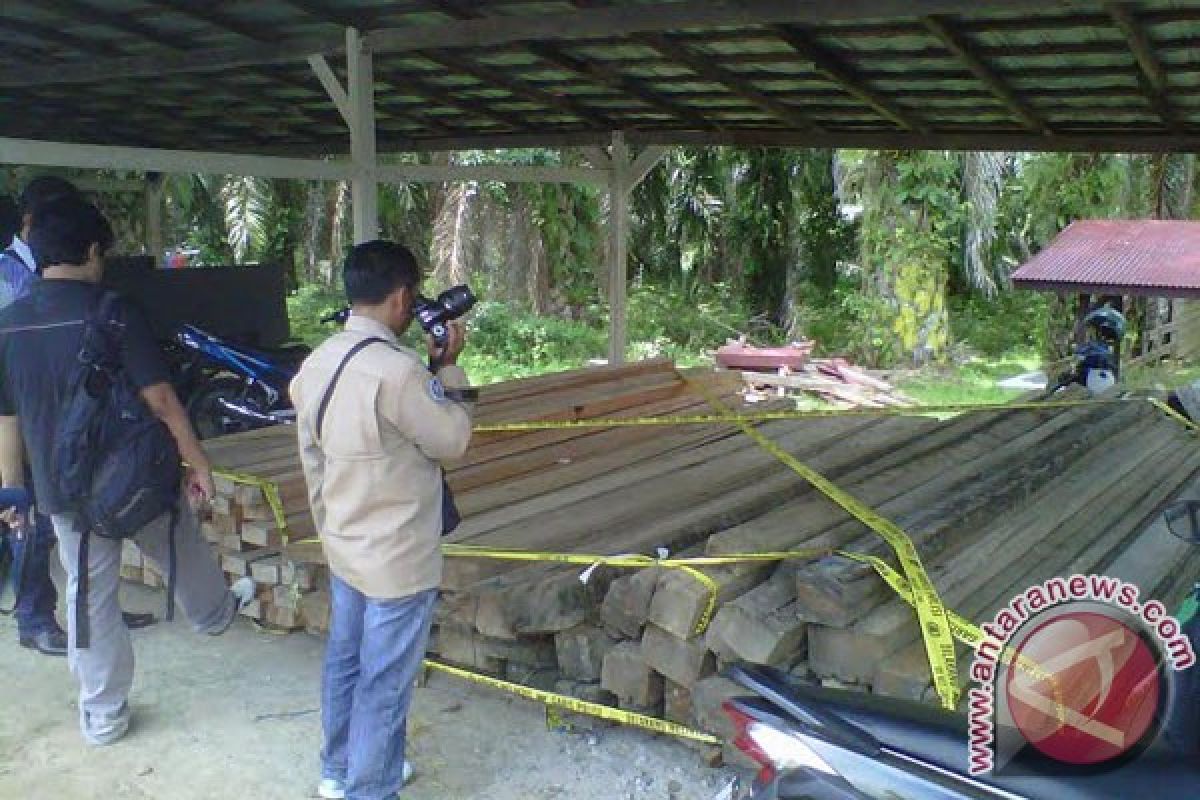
x,y
731,418
931,613
1173,414
579,706
270,491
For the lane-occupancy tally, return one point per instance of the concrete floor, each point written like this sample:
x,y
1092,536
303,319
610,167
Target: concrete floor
x,y
237,716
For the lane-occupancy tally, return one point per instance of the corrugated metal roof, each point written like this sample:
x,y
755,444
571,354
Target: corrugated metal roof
x,y
1137,257
1009,75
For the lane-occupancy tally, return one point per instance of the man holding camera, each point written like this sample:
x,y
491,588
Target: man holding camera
x,y
373,423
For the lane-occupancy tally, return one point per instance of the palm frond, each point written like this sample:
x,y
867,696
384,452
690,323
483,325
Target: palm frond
x,y
983,176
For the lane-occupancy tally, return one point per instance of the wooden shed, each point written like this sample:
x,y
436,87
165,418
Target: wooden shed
x,y
1149,269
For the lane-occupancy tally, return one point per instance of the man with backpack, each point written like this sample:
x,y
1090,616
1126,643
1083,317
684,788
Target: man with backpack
x,y
41,339
37,597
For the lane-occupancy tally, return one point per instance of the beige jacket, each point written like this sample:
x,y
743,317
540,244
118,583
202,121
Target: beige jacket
x,y
373,476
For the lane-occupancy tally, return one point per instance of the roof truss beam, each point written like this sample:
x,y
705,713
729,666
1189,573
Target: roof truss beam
x,y
625,20
707,68
510,29
1152,76
833,69
956,42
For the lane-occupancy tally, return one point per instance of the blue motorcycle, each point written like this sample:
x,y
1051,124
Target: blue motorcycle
x,y
230,388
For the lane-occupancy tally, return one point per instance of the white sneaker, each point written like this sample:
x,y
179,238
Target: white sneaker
x,y
243,593
333,789
243,590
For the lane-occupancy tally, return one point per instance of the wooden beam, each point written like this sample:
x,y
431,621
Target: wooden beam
x,y
505,173
604,74
490,75
958,44
59,154
86,71
843,75
70,10
1152,75
464,11
333,87
1150,141
625,20
706,67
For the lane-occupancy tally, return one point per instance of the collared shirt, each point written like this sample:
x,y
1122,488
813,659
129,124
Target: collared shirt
x,y
373,471
26,255
18,272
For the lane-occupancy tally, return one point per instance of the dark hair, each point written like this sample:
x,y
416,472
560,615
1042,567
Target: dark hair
x,y
42,190
373,270
10,220
64,228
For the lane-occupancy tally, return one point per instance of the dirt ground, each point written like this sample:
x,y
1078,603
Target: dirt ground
x,y
237,716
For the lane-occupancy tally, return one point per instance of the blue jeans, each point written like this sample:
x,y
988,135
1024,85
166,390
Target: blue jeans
x,y
37,597
372,660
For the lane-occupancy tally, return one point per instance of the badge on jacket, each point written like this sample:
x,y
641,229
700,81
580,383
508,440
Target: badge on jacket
x,y
436,390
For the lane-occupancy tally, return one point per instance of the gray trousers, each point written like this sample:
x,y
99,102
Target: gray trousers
x,y
104,670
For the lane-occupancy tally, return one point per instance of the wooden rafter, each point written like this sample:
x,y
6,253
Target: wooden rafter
x,y
707,68
556,56
843,75
957,43
76,9
224,21
1152,75
486,75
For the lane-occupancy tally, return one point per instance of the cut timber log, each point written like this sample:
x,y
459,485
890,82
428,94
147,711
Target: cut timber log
x,y
627,602
835,591
1082,545
852,654
684,661
626,674
581,652
763,626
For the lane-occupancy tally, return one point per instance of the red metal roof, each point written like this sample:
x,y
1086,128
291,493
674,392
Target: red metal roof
x,y
1159,258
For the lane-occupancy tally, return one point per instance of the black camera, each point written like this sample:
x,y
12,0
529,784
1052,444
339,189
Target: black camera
x,y
449,305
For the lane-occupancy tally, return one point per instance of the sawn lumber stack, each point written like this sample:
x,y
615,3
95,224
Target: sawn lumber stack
x,y
994,501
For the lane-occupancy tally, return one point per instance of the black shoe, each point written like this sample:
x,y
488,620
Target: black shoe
x,y
134,621
48,643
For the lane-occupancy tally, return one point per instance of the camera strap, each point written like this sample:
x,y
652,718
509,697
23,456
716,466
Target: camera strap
x,y
337,373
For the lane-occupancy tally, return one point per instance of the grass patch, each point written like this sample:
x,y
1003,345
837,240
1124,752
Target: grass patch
x,y
973,382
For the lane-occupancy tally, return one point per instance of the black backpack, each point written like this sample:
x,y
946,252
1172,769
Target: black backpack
x,y
117,465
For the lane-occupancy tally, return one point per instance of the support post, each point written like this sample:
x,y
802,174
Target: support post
x,y
364,188
618,249
155,243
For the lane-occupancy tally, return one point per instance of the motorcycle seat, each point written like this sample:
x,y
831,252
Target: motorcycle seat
x,y
937,737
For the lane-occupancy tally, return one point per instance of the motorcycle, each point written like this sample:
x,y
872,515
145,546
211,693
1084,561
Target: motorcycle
x,y
828,744
230,388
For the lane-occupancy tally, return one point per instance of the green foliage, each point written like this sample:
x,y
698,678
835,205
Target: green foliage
x,y
1012,321
846,322
306,306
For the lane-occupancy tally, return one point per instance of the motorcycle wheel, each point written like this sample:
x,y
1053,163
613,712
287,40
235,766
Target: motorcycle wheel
x,y
208,417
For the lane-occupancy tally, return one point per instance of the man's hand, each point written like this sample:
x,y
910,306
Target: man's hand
x,y
12,519
456,340
198,482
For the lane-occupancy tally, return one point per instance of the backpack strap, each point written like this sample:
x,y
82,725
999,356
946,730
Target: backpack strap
x,y
337,373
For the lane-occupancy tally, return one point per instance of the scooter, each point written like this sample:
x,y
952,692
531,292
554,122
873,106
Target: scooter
x,y
231,388
825,744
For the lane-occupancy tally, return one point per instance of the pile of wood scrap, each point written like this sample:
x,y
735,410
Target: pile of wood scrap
x,y
994,502
832,380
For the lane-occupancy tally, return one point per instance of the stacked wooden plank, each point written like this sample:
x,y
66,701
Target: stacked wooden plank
x,y
994,502
830,380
